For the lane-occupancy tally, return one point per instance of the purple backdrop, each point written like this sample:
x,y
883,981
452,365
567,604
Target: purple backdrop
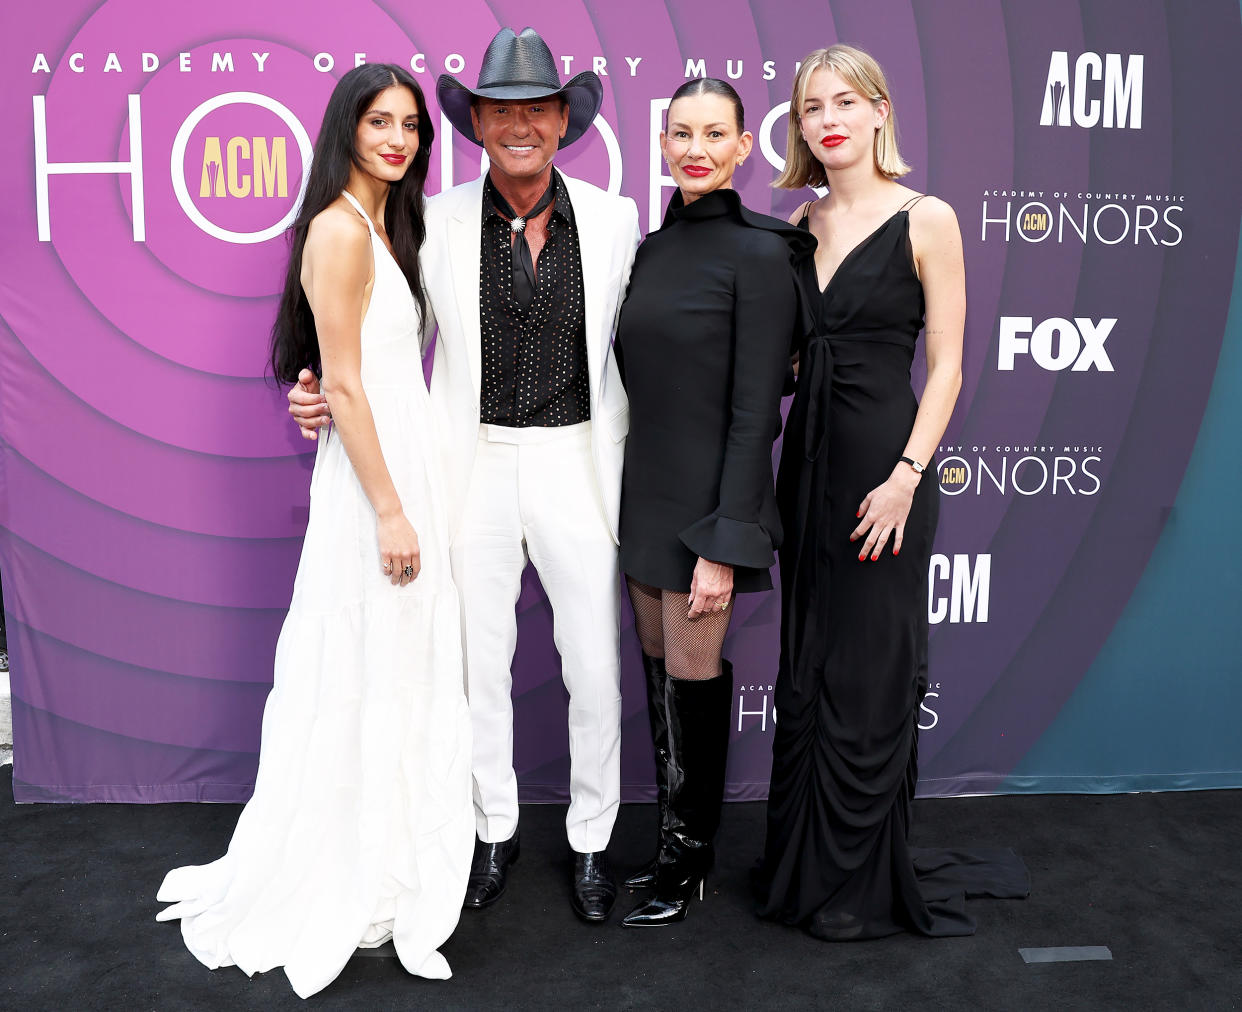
x,y
154,492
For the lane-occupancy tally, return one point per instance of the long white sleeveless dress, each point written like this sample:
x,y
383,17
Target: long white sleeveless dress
x,y
361,826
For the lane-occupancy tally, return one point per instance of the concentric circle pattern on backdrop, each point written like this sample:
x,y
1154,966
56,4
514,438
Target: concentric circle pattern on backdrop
x,y
155,493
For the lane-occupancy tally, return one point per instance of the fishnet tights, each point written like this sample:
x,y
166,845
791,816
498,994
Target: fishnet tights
x,y
690,647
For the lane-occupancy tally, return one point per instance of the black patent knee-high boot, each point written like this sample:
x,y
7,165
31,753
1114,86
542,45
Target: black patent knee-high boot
x,y
698,742
653,668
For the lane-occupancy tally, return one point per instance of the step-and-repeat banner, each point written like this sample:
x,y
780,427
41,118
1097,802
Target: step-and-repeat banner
x,y
1084,593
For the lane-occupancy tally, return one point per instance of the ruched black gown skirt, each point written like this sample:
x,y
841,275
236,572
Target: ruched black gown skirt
x,y
854,634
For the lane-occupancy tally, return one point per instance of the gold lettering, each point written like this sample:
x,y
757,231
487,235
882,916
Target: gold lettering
x,y
271,172
239,185
212,182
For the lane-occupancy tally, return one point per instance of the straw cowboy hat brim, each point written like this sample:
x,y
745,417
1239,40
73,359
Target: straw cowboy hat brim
x,y
520,68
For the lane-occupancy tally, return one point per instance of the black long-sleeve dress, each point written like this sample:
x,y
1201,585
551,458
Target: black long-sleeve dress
x,y
854,634
704,341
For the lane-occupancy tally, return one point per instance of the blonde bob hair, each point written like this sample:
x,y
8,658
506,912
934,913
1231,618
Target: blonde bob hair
x,y
861,72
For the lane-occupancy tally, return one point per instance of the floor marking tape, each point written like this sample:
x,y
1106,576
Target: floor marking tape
x,y
1065,953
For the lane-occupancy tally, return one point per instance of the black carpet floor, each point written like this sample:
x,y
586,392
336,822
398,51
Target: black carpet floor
x,y
1156,878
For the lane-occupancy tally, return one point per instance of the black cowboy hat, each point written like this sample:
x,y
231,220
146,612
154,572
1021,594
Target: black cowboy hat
x,y
519,67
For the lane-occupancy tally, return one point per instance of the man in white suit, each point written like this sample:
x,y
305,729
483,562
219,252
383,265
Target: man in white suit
x,y
525,269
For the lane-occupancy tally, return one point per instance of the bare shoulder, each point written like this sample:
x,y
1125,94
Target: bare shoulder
x,y
337,255
934,233
337,229
933,217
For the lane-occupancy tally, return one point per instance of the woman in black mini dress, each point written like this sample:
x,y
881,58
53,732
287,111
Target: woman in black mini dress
x,y
704,342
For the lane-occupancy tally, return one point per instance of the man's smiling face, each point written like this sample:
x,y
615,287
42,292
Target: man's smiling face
x,y
520,137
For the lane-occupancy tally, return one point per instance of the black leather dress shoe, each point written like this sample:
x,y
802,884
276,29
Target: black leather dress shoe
x,y
488,871
594,890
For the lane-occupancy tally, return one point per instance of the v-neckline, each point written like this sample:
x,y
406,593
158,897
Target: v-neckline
x,y
846,259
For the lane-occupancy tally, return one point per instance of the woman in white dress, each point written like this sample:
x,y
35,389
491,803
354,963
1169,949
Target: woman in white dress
x,y
361,824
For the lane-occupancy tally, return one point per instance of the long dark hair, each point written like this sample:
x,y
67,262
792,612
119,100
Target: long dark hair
x,y
711,86
295,342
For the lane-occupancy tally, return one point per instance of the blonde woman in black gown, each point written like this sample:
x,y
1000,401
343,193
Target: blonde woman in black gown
x,y
858,498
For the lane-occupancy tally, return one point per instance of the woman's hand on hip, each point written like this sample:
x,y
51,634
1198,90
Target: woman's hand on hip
x,y
398,545
711,588
883,513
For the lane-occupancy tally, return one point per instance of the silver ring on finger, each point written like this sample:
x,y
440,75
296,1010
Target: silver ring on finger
x,y
387,567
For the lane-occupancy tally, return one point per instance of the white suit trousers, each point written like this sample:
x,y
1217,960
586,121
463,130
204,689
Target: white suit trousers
x,y
533,495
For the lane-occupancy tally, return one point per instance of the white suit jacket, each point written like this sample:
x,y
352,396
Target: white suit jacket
x,y
607,238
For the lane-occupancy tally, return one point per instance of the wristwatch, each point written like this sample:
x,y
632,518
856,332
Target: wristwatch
x,y
918,468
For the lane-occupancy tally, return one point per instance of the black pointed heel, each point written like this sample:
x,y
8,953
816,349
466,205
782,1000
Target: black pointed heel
x,y
674,890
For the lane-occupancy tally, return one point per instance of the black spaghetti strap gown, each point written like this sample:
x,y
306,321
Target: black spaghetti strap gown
x,y
853,663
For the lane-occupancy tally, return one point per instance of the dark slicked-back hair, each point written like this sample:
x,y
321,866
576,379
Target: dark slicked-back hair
x,y
713,86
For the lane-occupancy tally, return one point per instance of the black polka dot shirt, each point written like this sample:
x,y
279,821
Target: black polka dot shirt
x,y
534,359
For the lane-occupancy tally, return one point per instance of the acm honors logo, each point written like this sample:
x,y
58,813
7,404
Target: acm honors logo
x,y
959,590
1100,90
1029,470
232,161
1086,217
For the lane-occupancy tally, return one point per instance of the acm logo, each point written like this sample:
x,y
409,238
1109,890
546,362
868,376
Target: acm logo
x,y
959,589
244,167
1083,101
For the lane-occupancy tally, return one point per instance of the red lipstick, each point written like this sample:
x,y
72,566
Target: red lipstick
x,y
394,159
697,171
832,140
